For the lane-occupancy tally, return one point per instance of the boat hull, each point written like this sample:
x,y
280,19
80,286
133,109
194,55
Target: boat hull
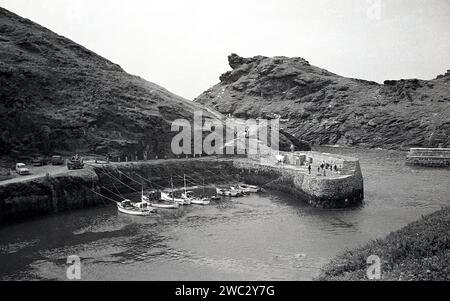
x,y
250,188
200,202
165,206
134,211
229,193
167,198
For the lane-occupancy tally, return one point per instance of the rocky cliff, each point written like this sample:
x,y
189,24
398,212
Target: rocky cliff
x,y
324,108
57,96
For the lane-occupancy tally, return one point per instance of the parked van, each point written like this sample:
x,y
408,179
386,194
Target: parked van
x,y
22,169
57,160
39,161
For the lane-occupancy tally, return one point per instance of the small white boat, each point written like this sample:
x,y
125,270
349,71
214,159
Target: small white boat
x,y
189,195
171,197
139,209
249,188
161,204
222,192
239,190
167,198
203,202
164,205
228,192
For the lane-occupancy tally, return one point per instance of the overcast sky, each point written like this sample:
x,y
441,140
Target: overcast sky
x,y
183,45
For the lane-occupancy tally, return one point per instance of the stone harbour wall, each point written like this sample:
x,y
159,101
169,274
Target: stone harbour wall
x,y
77,190
337,191
22,200
431,157
133,176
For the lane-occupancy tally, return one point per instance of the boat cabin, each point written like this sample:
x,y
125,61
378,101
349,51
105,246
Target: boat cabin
x,y
142,205
189,194
126,204
154,196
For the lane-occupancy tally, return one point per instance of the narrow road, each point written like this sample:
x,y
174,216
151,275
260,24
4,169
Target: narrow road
x,y
38,172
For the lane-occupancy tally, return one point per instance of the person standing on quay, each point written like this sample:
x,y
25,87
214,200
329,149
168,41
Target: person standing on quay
x,y
309,169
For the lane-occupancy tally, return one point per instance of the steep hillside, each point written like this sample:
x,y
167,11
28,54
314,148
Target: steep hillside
x,y
57,96
320,107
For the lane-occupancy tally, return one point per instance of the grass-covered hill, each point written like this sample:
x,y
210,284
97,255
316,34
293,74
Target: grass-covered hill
x,y
418,252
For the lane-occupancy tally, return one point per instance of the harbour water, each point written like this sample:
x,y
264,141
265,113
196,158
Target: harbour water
x,y
268,236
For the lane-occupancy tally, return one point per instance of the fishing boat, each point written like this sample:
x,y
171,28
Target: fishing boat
x,y
189,195
157,202
139,209
168,198
250,188
228,192
240,191
216,198
222,192
201,201
165,205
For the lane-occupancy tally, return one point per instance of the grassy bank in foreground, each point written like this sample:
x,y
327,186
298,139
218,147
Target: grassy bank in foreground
x,y
420,251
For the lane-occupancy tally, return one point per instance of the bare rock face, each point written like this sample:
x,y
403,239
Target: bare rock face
x,y
59,97
320,107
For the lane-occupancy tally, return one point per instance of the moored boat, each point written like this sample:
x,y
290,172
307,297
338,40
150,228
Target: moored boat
x,y
239,191
158,202
250,188
222,192
228,192
189,195
165,205
166,197
138,209
171,197
201,201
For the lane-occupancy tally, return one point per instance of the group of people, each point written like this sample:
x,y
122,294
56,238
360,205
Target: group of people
x,y
324,167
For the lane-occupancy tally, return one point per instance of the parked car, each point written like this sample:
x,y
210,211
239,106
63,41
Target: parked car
x,y
57,160
39,161
22,169
75,163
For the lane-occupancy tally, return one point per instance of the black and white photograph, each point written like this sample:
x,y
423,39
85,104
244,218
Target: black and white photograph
x,y
212,141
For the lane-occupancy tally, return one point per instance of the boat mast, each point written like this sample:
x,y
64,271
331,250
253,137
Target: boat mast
x,y
171,182
203,188
185,188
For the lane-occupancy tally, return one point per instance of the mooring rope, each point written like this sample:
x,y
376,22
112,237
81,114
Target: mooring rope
x,y
105,197
148,181
119,196
115,187
123,183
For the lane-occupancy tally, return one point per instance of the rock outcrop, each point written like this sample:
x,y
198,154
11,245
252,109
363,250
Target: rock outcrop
x,y
320,107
